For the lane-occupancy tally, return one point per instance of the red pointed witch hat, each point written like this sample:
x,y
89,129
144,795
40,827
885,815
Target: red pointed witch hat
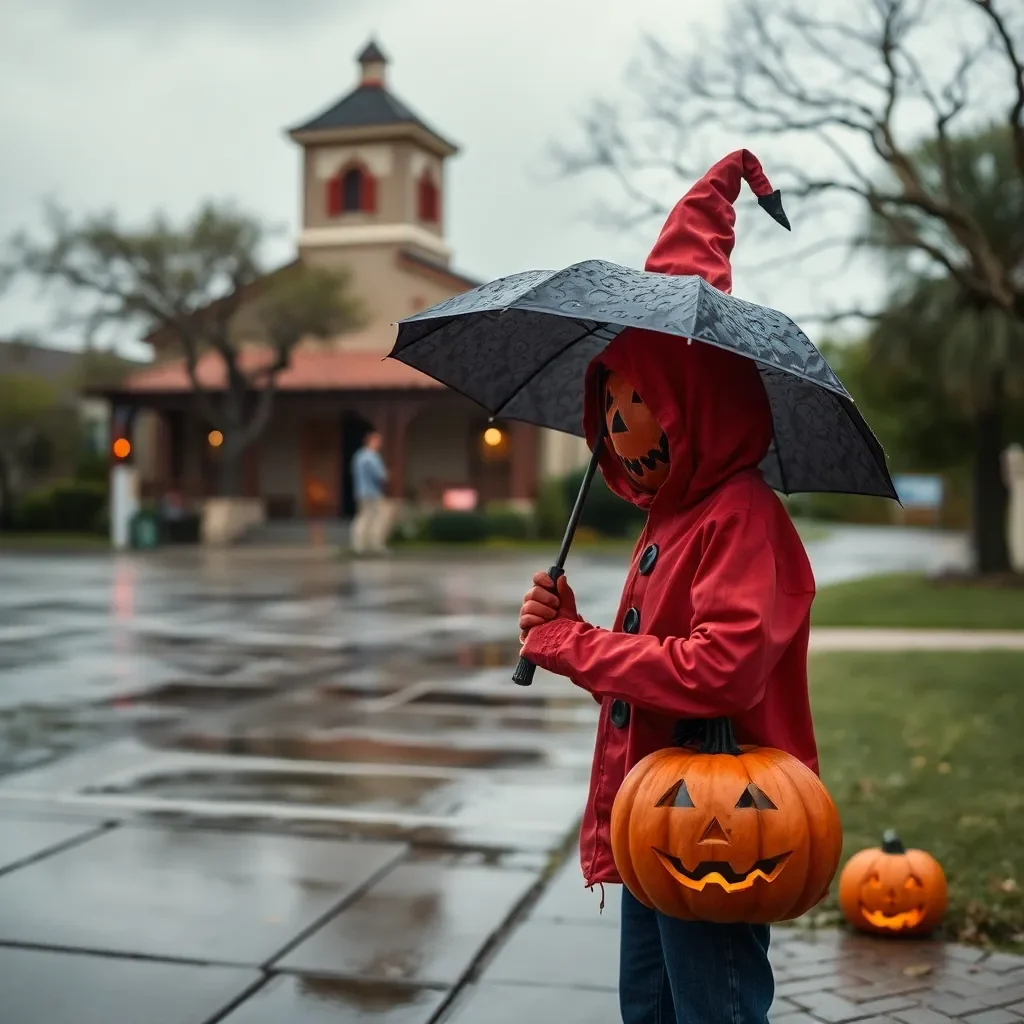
x,y
699,234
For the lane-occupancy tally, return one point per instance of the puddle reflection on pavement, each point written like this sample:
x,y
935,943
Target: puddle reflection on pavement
x,y
399,664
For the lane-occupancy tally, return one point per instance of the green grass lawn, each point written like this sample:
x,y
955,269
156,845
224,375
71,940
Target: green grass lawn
x,y
914,602
53,541
931,745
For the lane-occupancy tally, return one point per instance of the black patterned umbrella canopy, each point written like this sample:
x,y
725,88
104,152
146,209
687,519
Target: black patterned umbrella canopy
x,y
520,346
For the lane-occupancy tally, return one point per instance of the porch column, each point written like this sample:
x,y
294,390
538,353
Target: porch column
x,y
523,442
163,467
400,414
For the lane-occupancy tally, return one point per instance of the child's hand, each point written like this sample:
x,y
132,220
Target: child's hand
x,y
540,605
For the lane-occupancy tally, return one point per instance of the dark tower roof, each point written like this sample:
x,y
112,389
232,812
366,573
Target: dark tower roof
x,y
370,104
372,54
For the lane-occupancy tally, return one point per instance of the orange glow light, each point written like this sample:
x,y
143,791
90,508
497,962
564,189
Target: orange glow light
x,y
215,438
122,448
492,437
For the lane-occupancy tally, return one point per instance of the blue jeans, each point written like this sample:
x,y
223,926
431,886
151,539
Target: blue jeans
x,y
689,972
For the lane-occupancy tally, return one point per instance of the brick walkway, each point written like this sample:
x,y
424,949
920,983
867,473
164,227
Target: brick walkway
x,y
836,977
560,964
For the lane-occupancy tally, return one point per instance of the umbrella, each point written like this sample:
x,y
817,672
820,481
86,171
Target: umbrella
x,y
520,346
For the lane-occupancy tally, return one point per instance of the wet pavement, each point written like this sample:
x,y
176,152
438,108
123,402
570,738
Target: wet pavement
x,y
306,790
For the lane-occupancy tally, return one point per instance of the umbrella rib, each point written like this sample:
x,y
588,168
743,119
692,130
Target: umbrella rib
x,y
544,365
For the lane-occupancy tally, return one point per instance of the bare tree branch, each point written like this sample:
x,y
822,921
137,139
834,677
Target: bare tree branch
x,y
854,83
1015,56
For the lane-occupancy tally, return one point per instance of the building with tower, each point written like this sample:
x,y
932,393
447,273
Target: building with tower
x,y
373,200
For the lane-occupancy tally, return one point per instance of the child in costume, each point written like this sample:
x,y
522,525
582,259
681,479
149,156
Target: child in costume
x,y
714,619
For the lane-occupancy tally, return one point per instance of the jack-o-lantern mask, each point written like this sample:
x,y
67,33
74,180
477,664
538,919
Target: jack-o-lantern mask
x,y
635,435
892,890
724,833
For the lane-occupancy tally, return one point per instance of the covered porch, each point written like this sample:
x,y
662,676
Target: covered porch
x,y
434,440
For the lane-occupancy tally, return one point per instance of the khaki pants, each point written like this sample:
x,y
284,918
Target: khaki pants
x,y
370,526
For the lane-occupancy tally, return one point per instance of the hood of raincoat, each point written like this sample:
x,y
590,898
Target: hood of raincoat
x,y
710,403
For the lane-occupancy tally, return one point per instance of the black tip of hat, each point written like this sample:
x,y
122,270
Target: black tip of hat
x,y
772,204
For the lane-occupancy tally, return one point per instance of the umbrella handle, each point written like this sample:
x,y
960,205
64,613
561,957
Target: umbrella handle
x,y
523,675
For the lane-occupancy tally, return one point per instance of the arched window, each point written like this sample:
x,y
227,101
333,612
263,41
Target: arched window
x,y
428,199
352,190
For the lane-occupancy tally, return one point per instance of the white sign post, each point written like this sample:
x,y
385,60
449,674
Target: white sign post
x,y
1013,474
124,503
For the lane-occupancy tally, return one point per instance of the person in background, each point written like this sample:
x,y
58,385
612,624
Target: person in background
x,y
369,479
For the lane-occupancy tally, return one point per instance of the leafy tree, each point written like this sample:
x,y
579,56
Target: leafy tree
x,y
35,431
199,288
893,139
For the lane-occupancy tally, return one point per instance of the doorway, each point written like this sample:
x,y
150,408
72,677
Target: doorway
x,y
353,431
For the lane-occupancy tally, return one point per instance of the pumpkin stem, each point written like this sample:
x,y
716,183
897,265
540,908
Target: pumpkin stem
x,y
891,843
719,737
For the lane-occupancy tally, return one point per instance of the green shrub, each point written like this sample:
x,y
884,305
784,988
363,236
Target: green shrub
x,y
604,511
508,523
551,511
456,527
840,508
93,467
34,512
74,506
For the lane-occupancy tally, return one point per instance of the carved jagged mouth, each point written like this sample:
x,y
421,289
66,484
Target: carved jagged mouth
x,y
720,873
649,461
894,922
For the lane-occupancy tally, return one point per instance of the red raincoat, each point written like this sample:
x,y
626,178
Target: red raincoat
x,y
724,612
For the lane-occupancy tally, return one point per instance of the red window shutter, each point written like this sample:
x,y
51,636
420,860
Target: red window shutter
x,y
423,198
369,203
334,196
427,200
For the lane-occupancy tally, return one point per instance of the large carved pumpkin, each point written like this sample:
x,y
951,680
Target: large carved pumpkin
x,y
634,433
890,890
724,833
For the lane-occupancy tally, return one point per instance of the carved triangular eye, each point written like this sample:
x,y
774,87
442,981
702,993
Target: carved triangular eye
x,y
636,399
608,400
752,796
677,796
618,426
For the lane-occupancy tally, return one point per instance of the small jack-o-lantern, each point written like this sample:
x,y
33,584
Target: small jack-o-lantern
x,y
890,890
725,833
635,435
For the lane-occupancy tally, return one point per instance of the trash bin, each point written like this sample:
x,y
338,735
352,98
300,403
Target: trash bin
x,y
145,530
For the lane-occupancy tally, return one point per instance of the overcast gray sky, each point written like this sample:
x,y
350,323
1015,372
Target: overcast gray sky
x,y
145,104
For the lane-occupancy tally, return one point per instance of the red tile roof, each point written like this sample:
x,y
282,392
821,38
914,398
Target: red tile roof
x,y
310,370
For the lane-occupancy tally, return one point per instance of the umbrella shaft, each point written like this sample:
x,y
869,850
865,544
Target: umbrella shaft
x,y
523,675
581,498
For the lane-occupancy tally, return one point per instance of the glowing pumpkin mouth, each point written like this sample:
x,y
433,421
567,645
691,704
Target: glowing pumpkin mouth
x,y
903,919
649,461
720,873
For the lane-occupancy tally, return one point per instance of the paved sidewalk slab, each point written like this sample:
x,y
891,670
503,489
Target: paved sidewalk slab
x,y
514,1004
422,923
559,954
189,894
308,1000
841,639
566,899
22,839
44,987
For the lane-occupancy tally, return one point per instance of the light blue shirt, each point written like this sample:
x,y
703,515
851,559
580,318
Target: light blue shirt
x,y
368,474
